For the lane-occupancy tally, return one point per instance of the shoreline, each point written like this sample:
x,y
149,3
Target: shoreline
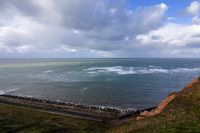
x,y
111,116
166,101
96,113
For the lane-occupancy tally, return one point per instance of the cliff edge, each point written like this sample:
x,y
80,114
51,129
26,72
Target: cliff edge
x,y
177,113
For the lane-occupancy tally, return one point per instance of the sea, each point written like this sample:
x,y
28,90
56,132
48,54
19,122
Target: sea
x,y
134,83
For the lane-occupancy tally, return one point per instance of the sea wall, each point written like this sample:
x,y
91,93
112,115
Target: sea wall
x,y
99,113
90,107
83,111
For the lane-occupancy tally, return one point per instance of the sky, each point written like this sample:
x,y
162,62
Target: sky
x,y
99,29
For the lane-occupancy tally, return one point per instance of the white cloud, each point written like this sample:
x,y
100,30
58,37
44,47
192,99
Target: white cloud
x,y
196,20
95,28
171,18
24,48
76,31
172,34
69,26
113,11
66,49
193,8
174,39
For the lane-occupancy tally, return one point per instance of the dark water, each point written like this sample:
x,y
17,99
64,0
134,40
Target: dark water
x,y
121,83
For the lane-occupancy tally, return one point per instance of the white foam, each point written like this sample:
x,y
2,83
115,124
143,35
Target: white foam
x,y
185,69
2,92
11,90
84,89
151,66
6,91
48,71
138,70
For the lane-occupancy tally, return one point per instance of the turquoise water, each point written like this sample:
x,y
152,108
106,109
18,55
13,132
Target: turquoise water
x,y
120,83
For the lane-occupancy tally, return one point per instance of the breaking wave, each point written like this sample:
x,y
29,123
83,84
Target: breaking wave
x,y
2,92
120,70
48,71
7,91
84,89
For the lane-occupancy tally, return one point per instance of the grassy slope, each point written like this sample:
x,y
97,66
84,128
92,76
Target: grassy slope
x,y
14,119
181,116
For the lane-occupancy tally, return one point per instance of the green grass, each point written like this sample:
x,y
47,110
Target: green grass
x,y
181,116
18,120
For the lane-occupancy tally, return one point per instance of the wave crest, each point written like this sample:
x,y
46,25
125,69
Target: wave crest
x,y
120,70
7,91
48,71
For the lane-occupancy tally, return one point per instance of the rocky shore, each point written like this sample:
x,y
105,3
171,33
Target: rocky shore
x,y
96,113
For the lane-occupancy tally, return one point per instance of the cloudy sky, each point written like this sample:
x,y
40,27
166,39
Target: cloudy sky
x,y
99,28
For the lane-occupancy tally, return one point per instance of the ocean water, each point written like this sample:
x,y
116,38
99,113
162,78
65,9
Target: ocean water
x,y
119,83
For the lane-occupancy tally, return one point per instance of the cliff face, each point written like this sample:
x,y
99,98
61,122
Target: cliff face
x,y
158,109
178,113
167,100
